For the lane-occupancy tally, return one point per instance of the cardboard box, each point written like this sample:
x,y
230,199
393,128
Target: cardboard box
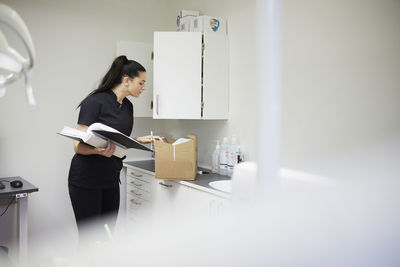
x,y
208,24
183,24
183,20
190,13
176,162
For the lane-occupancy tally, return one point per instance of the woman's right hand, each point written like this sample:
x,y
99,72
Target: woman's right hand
x,y
149,139
107,151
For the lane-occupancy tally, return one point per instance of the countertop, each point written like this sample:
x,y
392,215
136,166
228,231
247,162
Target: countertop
x,y
201,182
8,190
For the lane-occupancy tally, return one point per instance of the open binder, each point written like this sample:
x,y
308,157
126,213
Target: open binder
x,y
98,134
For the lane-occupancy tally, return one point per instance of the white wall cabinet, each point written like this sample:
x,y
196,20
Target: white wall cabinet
x,y
190,76
142,53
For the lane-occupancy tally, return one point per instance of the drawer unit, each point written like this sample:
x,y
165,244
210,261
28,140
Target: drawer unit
x,y
139,194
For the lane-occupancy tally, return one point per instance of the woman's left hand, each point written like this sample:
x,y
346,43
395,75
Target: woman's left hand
x,y
107,151
147,139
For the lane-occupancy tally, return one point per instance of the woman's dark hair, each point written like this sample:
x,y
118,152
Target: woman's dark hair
x,y
120,67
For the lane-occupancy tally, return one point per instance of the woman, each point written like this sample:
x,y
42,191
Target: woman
x,y
93,179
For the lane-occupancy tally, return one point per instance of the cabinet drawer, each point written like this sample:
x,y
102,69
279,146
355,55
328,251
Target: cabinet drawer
x,y
139,175
137,208
139,184
134,204
139,193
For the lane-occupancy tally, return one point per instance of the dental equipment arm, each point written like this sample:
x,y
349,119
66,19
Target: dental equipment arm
x,y
11,62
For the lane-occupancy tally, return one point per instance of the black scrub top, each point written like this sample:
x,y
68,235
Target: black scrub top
x,y
96,171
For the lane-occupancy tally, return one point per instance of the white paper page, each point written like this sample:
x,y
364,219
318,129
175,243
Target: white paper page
x,y
73,132
100,126
181,141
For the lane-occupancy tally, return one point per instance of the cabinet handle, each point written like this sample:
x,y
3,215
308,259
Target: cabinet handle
x,y
135,202
166,185
135,184
138,194
136,175
157,104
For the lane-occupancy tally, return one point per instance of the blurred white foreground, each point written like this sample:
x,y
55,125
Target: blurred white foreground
x,y
348,219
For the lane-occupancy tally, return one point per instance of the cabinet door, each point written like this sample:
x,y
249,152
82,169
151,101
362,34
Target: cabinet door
x,y
170,200
142,53
206,205
177,75
216,77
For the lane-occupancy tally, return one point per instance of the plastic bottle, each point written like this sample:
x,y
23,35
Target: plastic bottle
x,y
223,157
232,160
215,158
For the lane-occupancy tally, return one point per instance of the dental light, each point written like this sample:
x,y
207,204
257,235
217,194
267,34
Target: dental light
x,y
12,64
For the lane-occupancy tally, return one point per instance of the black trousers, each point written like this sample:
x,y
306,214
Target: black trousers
x,y
94,208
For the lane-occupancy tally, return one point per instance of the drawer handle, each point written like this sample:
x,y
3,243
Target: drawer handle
x,y
166,185
135,202
138,194
135,184
136,175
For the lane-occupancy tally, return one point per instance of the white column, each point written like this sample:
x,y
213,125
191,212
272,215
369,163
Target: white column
x,y
270,87
22,204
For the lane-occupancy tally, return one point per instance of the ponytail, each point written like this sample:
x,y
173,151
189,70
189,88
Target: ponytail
x,y
120,67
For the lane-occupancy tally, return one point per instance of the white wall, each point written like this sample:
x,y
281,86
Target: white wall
x,y
341,84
